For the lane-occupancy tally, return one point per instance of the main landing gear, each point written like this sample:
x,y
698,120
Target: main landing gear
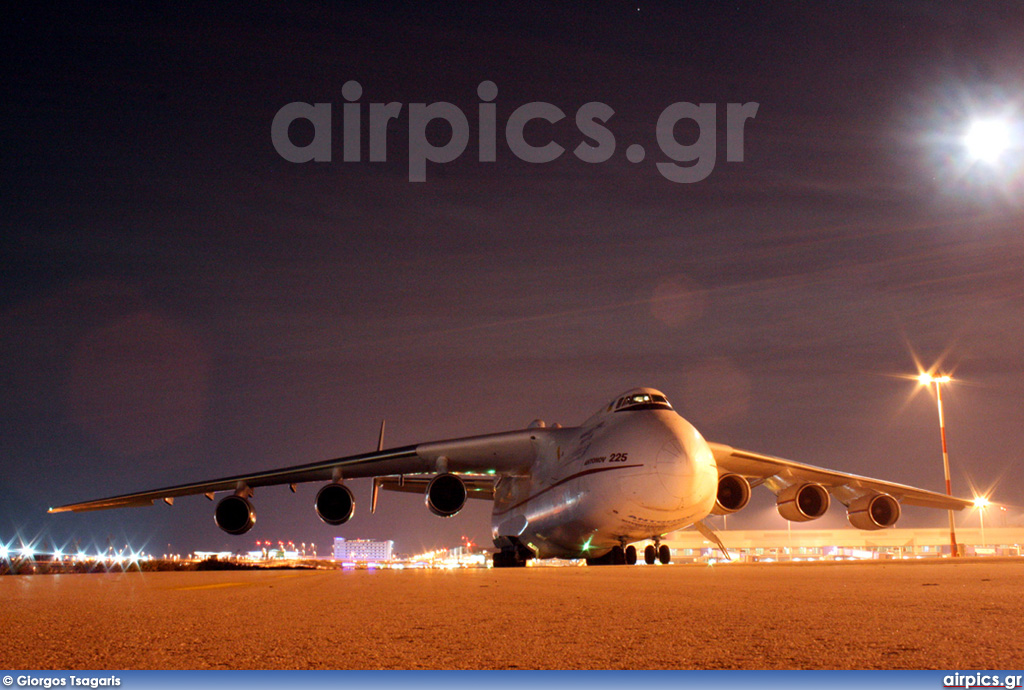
x,y
513,554
617,556
508,559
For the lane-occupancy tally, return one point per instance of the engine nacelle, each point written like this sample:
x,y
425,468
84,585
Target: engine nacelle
x,y
235,515
446,494
733,494
803,502
335,504
873,511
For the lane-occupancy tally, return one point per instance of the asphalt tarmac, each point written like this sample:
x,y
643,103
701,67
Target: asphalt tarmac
x,y
896,615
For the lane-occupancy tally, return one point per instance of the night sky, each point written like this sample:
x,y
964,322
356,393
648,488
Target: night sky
x,y
179,302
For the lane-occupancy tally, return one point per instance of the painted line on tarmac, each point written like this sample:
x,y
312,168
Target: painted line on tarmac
x,y
221,585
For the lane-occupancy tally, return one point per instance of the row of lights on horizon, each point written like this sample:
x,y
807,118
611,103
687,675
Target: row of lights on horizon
x,y
29,551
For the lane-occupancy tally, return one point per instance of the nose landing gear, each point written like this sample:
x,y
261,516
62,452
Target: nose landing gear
x,y
627,555
657,551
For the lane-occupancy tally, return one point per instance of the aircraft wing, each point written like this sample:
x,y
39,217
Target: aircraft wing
x,y
845,487
477,485
508,453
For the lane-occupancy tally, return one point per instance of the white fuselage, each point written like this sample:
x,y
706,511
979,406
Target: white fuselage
x,y
621,477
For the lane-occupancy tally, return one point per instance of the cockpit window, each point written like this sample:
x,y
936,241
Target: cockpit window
x,y
642,401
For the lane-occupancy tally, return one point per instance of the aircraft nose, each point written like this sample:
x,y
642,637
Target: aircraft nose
x,y
685,476
673,466
664,485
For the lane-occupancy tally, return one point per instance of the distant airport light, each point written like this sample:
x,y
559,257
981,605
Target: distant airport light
x,y
27,551
925,378
981,502
987,139
4,552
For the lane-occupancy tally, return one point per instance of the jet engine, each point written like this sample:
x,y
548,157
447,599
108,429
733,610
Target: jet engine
x,y
446,494
803,502
873,511
335,504
235,514
733,494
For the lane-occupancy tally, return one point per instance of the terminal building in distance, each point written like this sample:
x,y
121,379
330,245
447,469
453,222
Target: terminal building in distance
x,y
357,550
844,543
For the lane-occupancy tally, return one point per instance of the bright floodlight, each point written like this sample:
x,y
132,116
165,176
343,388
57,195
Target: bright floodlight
x,y
924,379
987,139
981,502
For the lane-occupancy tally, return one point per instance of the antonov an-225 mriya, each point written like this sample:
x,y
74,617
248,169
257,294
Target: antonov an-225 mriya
x,y
633,472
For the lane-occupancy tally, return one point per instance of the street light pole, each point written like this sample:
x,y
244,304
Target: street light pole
x,y
926,379
981,516
981,503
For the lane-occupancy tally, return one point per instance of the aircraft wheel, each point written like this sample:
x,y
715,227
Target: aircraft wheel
x,y
630,555
614,557
507,559
664,555
650,554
